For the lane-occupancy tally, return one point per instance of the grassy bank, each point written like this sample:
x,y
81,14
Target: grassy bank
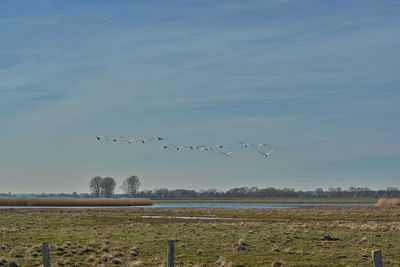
x,y
52,201
310,236
274,200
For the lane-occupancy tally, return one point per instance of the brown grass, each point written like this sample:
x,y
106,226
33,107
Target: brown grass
x,y
388,203
136,264
53,201
294,237
240,245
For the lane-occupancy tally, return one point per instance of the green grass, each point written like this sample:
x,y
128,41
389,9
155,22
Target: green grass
x,y
311,236
274,199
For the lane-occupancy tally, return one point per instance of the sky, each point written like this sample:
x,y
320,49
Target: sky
x,y
319,80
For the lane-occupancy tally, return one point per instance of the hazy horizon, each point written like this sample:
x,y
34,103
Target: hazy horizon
x,y
316,79
118,190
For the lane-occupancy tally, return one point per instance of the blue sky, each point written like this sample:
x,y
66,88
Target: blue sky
x,y
317,79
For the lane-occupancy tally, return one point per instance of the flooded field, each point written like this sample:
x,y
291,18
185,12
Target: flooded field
x,y
238,205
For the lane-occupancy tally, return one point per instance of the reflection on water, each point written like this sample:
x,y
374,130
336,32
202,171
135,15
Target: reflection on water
x,y
207,205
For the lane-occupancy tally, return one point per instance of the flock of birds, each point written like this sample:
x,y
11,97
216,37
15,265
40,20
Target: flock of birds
x,y
263,149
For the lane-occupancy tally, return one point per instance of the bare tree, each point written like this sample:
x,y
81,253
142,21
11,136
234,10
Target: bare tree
x,y
131,186
95,186
392,191
319,192
107,187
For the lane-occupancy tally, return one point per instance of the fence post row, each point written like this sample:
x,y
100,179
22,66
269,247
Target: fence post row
x,y
377,258
46,254
170,253
376,255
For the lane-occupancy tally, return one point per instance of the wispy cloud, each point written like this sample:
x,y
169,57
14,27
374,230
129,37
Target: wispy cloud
x,y
318,79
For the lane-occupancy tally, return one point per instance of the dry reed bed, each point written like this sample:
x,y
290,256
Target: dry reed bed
x,y
53,201
388,203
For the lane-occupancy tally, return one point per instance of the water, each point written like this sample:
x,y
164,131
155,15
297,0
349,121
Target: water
x,y
250,205
204,205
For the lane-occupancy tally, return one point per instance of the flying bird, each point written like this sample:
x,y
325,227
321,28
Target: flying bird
x,y
225,153
245,144
265,154
263,144
174,146
130,140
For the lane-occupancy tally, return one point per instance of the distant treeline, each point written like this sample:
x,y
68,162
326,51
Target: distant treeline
x,y
253,192
269,192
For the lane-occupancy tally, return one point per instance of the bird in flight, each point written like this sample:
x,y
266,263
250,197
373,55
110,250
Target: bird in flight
x,y
263,144
204,148
130,140
245,144
265,154
174,146
155,138
226,153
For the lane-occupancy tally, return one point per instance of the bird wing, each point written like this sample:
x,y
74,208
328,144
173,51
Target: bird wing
x,y
262,153
270,152
263,144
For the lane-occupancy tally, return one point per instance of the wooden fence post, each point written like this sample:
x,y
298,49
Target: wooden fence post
x,y
377,258
170,253
46,254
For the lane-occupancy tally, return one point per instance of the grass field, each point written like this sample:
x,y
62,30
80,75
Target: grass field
x,y
310,236
59,201
275,200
